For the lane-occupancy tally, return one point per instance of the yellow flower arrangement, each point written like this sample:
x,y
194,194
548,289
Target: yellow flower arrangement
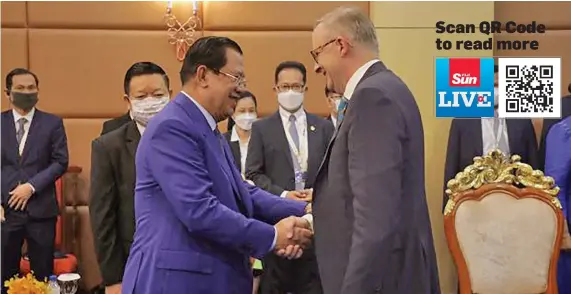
x,y
26,285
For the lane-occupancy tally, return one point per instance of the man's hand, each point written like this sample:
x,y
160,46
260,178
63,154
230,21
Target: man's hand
x,y
307,195
113,289
2,214
19,196
295,195
293,235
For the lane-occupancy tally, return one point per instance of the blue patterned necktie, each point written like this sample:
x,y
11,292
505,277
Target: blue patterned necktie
x,y
21,131
341,109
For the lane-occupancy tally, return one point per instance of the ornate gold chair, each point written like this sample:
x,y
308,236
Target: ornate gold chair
x,y
504,224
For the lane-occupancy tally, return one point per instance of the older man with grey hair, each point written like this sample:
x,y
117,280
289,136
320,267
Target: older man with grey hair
x,y
372,228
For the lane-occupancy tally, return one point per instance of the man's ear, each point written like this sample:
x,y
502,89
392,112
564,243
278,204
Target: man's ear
x,y
201,76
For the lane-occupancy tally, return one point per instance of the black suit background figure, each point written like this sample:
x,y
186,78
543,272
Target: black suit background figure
x,y
34,156
274,165
113,172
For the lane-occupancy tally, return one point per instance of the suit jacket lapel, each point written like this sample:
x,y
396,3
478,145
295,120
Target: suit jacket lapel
x,y
9,136
33,132
132,138
477,134
237,157
313,144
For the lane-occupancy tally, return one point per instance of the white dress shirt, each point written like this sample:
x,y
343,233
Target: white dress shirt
x,y
29,116
333,120
356,77
243,149
489,140
301,126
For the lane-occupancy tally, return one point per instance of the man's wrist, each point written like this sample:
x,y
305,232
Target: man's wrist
x,y
308,208
275,240
32,187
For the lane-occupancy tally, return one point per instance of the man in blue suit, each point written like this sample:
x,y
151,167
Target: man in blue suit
x,y
34,155
197,221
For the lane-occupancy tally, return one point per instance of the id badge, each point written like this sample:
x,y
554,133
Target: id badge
x,y
299,177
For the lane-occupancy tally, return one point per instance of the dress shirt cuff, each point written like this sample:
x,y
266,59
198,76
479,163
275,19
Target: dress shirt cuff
x,y
309,218
33,189
284,194
275,240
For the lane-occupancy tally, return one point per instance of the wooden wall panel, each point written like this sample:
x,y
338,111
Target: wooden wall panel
x,y
96,62
260,65
14,52
554,15
13,14
136,15
405,14
268,15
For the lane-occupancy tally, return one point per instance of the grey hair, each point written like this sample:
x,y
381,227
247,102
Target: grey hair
x,y
352,23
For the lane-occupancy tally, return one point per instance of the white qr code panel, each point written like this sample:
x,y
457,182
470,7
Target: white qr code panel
x,y
529,87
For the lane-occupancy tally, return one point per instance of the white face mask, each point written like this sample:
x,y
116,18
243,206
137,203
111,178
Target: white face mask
x,y
143,110
496,96
290,100
245,120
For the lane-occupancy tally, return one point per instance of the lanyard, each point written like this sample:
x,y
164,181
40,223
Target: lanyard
x,y
500,132
300,156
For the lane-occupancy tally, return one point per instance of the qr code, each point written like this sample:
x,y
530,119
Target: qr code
x,y
529,87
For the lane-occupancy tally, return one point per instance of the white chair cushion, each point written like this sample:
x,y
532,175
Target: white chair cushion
x,y
507,243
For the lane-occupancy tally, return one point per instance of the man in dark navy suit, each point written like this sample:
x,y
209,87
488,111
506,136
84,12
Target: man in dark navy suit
x,y
34,155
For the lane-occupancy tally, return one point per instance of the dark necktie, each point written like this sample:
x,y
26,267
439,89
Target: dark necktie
x,y
341,109
21,131
221,142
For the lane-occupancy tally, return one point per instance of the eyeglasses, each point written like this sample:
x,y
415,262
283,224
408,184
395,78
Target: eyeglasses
x,y
239,80
315,52
294,87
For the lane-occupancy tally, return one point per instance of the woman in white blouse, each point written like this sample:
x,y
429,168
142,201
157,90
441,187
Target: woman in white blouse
x,y
238,136
239,127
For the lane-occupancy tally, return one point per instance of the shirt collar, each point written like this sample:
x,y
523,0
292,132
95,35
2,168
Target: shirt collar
x,y
356,77
207,115
234,136
28,116
286,114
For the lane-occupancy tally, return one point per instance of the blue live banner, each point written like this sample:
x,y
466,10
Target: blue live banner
x,y
464,87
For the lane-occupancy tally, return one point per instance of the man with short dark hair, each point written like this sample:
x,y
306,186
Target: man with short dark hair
x,y
284,153
113,172
117,122
197,222
34,156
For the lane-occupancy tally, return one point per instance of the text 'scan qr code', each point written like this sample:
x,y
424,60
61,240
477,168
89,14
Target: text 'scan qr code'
x,y
529,87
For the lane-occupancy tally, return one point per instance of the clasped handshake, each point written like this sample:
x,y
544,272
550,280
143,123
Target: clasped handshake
x,y
293,236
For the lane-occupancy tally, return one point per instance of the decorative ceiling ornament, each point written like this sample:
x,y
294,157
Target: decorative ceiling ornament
x,y
182,35
497,168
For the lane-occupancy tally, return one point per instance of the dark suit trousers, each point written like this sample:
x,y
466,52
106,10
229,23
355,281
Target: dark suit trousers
x,y
298,276
40,236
